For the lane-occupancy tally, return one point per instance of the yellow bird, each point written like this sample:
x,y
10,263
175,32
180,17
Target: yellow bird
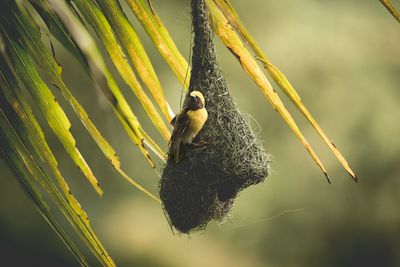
x,y
188,123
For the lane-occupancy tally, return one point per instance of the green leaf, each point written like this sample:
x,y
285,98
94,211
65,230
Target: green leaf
x,y
30,132
24,168
93,15
54,26
31,40
20,157
136,52
161,39
100,73
48,105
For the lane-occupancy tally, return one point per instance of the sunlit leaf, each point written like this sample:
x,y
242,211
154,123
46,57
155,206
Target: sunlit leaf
x,y
33,132
48,105
132,44
120,106
161,39
93,15
390,7
238,49
102,76
25,168
31,39
279,78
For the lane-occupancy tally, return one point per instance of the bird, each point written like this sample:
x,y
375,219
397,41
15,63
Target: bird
x,y
187,124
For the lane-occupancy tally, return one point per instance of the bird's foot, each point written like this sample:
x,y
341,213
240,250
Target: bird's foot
x,y
199,145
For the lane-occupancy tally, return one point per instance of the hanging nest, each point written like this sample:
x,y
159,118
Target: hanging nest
x,y
203,185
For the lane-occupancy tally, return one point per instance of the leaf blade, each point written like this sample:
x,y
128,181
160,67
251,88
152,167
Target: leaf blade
x,y
43,58
48,105
392,10
16,163
99,23
132,44
102,76
281,80
250,66
161,39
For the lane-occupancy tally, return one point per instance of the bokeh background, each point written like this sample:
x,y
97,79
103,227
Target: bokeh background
x,y
343,58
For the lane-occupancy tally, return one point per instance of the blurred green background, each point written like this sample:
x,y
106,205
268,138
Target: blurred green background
x,y
343,58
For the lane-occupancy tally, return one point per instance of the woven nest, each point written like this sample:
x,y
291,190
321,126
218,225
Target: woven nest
x,y
203,185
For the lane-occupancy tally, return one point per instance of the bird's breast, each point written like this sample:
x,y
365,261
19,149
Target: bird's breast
x,y
197,118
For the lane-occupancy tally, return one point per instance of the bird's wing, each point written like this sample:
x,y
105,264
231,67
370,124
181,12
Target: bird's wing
x,y
173,121
181,122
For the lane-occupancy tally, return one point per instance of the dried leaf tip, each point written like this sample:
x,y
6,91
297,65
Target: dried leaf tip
x,y
327,177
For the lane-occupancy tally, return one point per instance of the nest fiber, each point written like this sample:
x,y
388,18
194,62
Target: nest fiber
x,y
203,185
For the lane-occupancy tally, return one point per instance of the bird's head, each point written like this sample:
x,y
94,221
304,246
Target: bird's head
x,y
196,100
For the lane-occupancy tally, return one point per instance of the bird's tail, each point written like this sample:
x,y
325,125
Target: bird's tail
x,y
175,151
175,148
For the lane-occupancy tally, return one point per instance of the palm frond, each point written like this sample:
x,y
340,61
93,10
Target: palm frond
x,y
250,66
104,79
35,47
17,155
392,10
279,78
70,22
47,104
133,46
161,39
93,15
26,128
